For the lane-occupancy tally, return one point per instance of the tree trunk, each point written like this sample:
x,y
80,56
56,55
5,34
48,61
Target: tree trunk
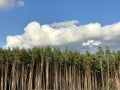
x,y
101,68
13,77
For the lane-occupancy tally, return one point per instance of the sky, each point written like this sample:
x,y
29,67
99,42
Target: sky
x,y
73,23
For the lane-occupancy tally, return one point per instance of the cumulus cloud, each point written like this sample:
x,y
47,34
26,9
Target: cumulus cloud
x,y
64,24
19,4
91,43
7,4
67,33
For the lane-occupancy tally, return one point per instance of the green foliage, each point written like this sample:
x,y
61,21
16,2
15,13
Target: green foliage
x,y
84,61
53,66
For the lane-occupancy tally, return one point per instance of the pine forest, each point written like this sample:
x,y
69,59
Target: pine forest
x,y
53,69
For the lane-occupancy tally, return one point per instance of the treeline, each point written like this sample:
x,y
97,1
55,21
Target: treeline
x,y
53,69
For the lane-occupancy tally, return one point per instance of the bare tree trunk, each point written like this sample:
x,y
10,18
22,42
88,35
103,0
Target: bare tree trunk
x,y
66,77
85,81
108,76
60,78
70,78
30,78
117,81
17,79
63,79
95,81
13,77
47,74
37,78
89,80
55,77
22,78
79,80
5,77
102,74
42,76
74,75
1,83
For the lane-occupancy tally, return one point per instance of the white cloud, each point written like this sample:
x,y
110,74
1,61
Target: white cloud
x,y
64,24
91,43
66,33
7,4
19,4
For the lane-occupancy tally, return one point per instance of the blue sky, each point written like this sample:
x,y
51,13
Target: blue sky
x,y
14,20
